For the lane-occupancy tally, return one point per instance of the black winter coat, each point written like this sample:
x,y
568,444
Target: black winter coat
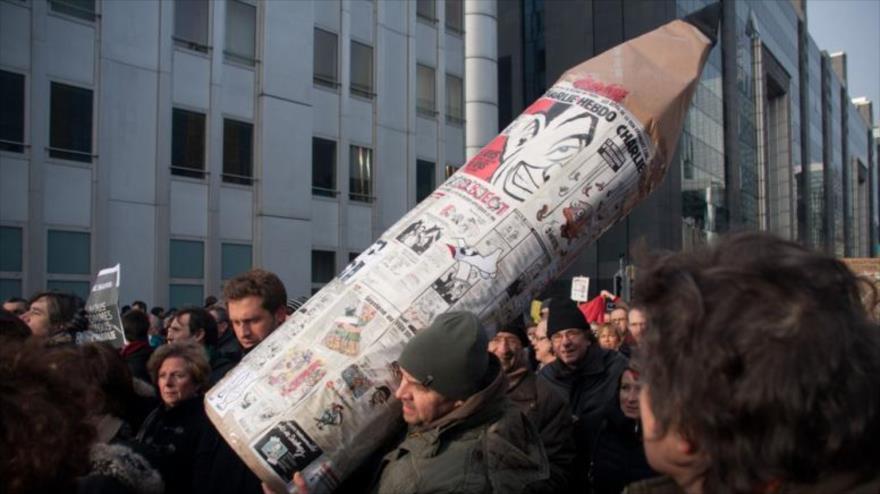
x,y
170,438
618,454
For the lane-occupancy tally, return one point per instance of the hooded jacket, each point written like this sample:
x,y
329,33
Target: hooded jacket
x,y
485,445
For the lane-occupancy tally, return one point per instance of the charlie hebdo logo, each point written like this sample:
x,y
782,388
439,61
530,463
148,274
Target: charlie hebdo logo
x,y
540,141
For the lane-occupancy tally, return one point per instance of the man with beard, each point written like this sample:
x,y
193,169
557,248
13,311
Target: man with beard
x,y
544,406
583,371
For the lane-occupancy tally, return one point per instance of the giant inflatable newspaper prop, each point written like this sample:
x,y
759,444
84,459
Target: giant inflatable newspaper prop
x,y
317,396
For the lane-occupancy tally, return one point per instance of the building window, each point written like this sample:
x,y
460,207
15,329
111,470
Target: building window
x,y
234,259
425,10
425,92
241,37
455,16
188,143
323,268
186,271
237,152
12,112
360,174
326,61
70,126
323,167
83,9
68,262
424,179
450,170
191,23
361,69
454,100
10,261
68,253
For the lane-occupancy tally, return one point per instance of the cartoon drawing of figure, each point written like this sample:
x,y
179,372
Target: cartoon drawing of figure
x,y
449,287
330,416
356,381
540,141
380,395
470,261
274,450
419,237
367,257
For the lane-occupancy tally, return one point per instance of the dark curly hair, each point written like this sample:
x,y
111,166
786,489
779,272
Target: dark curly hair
x,y
761,353
45,433
258,283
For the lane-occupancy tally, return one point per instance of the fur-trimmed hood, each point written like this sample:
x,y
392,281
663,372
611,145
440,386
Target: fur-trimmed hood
x,y
124,465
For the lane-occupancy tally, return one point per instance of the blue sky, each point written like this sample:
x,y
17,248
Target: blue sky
x,y
852,26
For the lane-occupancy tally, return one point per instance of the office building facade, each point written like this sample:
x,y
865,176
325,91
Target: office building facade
x,y
191,140
772,140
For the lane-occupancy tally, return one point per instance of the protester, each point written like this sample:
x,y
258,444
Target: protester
x,y
197,324
55,317
594,309
760,372
618,455
536,398
583,372
139,305
227,344
608,336
47,431
137,350
637,325
463,435
172,432
256,304
16,305
542,346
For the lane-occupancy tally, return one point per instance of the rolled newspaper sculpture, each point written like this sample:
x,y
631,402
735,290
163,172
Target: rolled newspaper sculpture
x,y
317,396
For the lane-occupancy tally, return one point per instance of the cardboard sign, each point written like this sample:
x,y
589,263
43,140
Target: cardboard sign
x,y
102,308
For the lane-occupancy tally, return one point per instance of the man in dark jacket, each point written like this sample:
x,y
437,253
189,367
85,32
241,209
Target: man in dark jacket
x,y
256,303
197,324
543,405
583,371
227,343
137,351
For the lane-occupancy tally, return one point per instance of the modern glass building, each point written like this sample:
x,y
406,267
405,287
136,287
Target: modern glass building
x,y
772,141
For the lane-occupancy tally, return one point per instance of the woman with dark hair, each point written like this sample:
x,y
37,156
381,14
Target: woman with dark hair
x,y
56,317
618,453
48,439
171,433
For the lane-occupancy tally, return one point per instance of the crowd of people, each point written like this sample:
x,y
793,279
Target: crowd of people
x,y
747,367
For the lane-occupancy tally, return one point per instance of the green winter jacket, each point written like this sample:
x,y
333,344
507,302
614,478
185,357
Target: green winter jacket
x,y
486,445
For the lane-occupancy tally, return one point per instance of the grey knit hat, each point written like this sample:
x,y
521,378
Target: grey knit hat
x,y
450,356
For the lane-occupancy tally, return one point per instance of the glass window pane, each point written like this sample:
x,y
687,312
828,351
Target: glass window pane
x,y
187,259
180,295
68,253
454,99
237,152
325,58
188,144
241,30
236,258
191,20
10,248
9,288
425,9
323,167
424,179
425,93
361,69
84,9
360,170
12,112
450,170
70,132
454,17
323,266
79,288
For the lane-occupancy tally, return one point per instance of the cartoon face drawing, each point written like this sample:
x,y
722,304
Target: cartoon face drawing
x,y
541,140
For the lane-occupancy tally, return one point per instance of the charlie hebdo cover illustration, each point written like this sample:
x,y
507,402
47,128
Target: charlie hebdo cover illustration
x,y
317,395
